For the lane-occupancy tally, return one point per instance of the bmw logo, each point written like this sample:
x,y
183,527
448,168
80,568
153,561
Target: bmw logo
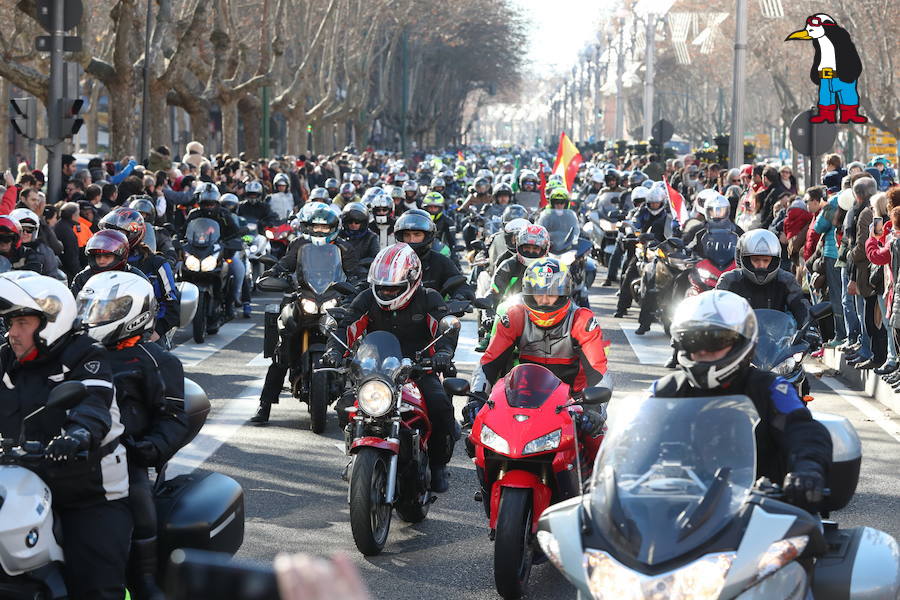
x,y
32,538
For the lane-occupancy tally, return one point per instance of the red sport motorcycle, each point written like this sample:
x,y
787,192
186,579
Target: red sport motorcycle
x,y
528,455
280,237
719,248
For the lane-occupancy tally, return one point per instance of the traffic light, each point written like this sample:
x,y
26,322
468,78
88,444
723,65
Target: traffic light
x,y
70,123
24,119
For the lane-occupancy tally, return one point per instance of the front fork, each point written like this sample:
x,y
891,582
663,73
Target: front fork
x,y
393,465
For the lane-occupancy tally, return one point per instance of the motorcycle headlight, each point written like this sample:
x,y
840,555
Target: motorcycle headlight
x,y
309,306
191,262
785,367
546,442
492,440
779,554
329,304
209,263
269,234
375,398
706,274
550,546
703,578
253,247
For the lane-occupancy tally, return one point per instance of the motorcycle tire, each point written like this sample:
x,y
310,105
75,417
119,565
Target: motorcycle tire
x,y
414,508
370,515
318,400
199,322
513,551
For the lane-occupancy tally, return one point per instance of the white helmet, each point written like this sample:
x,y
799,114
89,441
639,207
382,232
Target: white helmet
x,y
640,193
23,216
43,297
395,275
717,208
282,179
702,198
116,305
758,242
597,176
658,193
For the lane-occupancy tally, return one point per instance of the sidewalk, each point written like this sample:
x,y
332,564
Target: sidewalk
x,y
866,382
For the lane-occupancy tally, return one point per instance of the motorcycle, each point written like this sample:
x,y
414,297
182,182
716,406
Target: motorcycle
x,y
258,257
666,275
570,249
719,248
202,512
279,236
528,455
205,266
387,438
673,512
603,231
317,287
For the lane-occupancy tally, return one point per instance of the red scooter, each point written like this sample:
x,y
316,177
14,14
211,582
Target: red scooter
x,y
528,455
719,248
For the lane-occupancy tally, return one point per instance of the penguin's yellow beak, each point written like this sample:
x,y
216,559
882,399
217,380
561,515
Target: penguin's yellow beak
x,y
799,35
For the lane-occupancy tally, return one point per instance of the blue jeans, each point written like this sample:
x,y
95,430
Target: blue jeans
x,y
851,318
834,91
833,280
865,339
239,270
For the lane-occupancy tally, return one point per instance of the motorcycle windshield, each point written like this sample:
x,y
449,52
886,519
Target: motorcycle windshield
x,y
378,353
719,247
320,266
672,472
150,238
5,265
562,225
776,330
529,386
202,232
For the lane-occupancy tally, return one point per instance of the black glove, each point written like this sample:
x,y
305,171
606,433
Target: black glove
x,y
591,423
144,451
65,447
805,485
442,360
472,407
331,358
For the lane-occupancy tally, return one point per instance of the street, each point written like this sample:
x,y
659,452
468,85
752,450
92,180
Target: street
x,y
297,502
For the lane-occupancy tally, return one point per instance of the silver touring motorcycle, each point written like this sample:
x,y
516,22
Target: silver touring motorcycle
x,y
674,512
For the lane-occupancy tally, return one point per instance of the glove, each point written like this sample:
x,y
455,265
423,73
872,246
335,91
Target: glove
x,y
804,486
331,358
442,360
64,447
144,451
471,409
591,423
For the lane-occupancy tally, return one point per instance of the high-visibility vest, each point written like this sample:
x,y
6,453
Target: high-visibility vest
x,y
82,231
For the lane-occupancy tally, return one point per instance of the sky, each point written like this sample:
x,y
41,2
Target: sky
x,y
560,29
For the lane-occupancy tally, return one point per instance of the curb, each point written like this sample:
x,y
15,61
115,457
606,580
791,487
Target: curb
x,y
866,382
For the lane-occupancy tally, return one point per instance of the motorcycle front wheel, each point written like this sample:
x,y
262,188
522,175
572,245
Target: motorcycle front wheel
x,y
512,545
199,322
370,514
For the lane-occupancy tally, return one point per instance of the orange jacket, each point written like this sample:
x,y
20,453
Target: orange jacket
x,y
82,231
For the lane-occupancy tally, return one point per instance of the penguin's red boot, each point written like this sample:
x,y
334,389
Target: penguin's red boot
x,y
827,114
849,114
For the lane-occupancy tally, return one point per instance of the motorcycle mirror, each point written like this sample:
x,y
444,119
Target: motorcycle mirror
x,y
66,395
268,260
483,303
821,310
343,287
456,386
273,284
477,245
596,395
448,324
647,237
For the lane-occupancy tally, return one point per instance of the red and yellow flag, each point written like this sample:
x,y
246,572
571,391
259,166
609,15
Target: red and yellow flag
x,y
568,159
459,156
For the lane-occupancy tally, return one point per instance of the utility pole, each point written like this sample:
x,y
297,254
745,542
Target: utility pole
x,y
54,147
404,52
738,85
266,132
143,147
620,71
649,74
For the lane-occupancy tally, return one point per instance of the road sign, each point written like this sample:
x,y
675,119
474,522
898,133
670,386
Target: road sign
x,y
784,154
812,139
662,131
71,43
72,11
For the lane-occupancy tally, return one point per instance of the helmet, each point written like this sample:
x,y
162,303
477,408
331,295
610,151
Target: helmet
x,y
658,195
356,179
281,179
528,177
502,189
597,176
639,195
557,178
43,297
370,195
253,190
146,206
320,194
304,217
229,202
717,208
396,192
410,186
437,182
332,185
107,241
557,196
415,221
532,235
207,194
348,190
758,242
702,198
612,174
401,177
546,277
482,185
713,321
395,275
636,178
373,178
382,207
28,221
511,229
115,306
10,230
433,203
355,212
128,221
514,211
321,214
460,171
485,174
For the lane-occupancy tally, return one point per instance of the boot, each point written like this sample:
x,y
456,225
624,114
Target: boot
x,y
247,310
439,481
262,413
827,114
142,584
849,114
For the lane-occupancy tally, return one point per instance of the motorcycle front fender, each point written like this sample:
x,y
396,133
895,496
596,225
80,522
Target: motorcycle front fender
x,y
374,442
540,494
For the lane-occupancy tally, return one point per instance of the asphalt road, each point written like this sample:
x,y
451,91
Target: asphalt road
x,y
296,500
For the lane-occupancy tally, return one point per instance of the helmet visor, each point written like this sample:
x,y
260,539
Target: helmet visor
x,y
93,311
709,339
387,293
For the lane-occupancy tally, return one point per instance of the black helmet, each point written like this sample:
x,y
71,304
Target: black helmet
x,y
514,211
636,178
416,220
144,205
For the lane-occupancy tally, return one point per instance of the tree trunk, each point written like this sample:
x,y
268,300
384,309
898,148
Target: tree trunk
x,y
200,125
229,127
121,122
4,126
40,156
160,133
250,115
92,118
296,134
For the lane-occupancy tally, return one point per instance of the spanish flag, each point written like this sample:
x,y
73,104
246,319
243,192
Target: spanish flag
x,y
568,159
460,157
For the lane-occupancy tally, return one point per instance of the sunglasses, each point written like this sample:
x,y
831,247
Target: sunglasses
x,y
28,229
817,22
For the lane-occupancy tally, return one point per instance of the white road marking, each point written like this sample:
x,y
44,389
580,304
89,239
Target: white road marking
x,y
192,354
652,348
259,361
861,404
465,349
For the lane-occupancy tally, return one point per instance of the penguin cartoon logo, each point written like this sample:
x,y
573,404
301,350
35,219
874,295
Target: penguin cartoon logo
x,y
835,69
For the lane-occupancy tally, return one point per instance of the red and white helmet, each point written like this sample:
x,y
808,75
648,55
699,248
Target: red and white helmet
x,y
395,275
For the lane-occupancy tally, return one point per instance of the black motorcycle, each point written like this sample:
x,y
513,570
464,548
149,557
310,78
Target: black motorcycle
x,y
206,267
299,323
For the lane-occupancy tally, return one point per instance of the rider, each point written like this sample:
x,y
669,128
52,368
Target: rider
x,y
410,197
717,212
107,250
321,227
90,497
254,208
147,207
501,245
760,278
382,223
149,383
548,329
715,334
532,243
398,302
346,195
434,204
22,257
333,187
637,198
281,201
355,229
